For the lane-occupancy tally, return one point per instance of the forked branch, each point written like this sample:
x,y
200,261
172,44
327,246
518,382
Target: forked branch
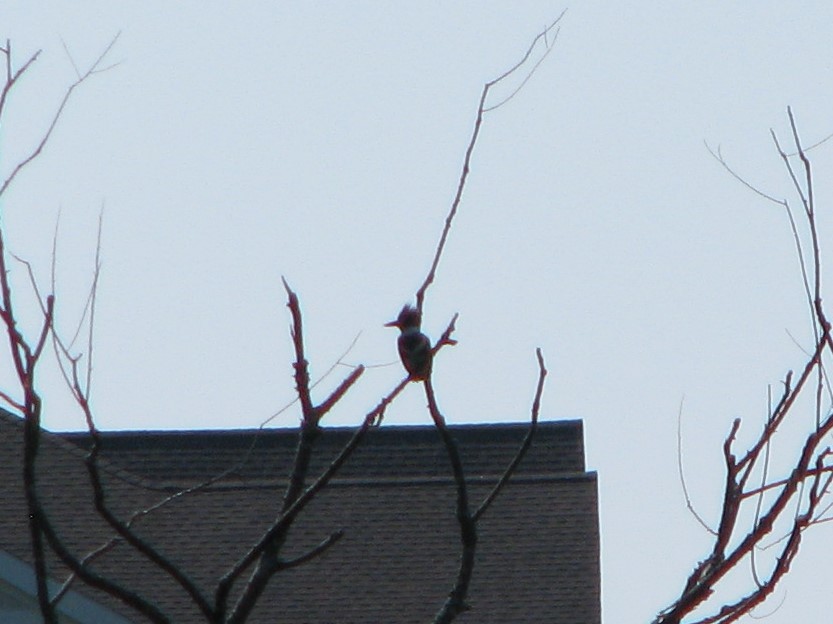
x,y
797,499
94,68
482,109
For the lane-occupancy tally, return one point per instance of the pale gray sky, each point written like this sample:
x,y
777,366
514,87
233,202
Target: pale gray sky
x,y
323,142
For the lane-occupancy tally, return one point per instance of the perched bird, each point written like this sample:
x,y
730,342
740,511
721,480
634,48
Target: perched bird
x,y
414,346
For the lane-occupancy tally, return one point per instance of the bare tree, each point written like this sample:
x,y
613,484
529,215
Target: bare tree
x,y
263,559
764,513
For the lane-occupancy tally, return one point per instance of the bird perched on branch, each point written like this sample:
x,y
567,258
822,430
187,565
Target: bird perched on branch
x,y
414,346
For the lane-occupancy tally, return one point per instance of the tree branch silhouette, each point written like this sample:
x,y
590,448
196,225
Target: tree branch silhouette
x,y
478,122
262,559
798,498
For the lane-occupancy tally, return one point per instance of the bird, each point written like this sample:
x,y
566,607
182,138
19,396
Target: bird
x,y
414,346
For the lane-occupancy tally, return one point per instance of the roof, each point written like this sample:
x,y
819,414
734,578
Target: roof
x,y
538,553
409,452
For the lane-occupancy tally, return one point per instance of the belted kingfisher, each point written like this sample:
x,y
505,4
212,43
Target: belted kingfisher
x,y
414,346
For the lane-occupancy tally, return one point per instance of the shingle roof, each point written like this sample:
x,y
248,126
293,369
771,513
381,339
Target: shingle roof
x,y
538,553
409,452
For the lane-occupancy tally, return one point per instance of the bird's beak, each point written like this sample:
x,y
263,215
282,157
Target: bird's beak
x,y
392,324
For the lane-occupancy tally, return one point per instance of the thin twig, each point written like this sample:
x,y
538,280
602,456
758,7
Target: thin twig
x,y
312,386
760,498
135,601
11,79
548,46
806,486
142,513
93,69
681,473
461,185
93,295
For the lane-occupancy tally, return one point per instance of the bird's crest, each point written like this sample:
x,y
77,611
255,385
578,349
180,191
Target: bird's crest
x,y
408,317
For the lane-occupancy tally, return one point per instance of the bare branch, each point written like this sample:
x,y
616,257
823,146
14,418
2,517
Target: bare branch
x,y
760,498
681,473
247,600
818,143
455,604
808,201
314,552
18,347
11,79
295,500
15,404
26,358
718,156
93,69
140,514
38,521
527,441
47,325
800,497
123,529
326,374
445,338
339,392
300,365
548,46
139,544
92,300
461,185
128,597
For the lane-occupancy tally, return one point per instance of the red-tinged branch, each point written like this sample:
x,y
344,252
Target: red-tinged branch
x,y
733,612
774,485
783,410
327,404
311,414
445,338
123,529
807,486
25,357
709,573
12,402
301,365
18,347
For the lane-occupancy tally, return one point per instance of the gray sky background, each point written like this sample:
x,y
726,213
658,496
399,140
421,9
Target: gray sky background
x,y
323,142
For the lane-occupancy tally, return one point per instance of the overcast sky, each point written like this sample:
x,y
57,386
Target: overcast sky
x,y
323,142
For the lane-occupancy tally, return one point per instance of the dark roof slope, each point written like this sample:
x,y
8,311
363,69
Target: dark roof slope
x,y
538,554
388,452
